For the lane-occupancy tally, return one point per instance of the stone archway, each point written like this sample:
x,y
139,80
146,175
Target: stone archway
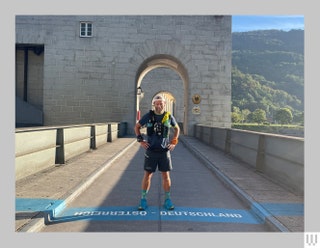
x,y
173,64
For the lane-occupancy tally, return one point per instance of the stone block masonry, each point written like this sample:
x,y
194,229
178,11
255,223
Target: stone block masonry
x,y
95,79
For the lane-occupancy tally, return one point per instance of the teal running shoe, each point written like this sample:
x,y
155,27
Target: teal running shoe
x,y
143,204
168,204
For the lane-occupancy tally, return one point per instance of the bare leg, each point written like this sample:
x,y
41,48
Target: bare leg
x,y
145,186
146,181
166,181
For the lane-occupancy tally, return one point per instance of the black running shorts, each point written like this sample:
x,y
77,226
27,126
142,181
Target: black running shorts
x,y
155,159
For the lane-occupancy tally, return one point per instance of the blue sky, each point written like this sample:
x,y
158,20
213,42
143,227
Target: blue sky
x,y
243,23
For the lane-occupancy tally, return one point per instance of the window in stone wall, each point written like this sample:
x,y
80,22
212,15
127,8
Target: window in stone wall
x,y
85,29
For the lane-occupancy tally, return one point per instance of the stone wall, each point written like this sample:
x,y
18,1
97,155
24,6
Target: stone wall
x,y
95,79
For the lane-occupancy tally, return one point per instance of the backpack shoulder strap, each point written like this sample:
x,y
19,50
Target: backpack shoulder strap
x,y
166,117
151,113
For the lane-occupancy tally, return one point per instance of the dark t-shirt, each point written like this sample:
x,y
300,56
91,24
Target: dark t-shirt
x,y
156,140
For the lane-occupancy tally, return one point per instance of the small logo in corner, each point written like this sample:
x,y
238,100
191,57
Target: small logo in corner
x,y
311,240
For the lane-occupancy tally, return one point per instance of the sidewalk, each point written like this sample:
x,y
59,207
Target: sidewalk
x,y
281,209
64,182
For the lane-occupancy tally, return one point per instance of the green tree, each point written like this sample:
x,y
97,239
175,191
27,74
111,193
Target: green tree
x,y
259,116
245,113
268,71
236,115
299,118
284,116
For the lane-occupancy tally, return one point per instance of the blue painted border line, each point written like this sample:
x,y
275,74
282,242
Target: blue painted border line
x,y
155,214
284,209
51,206
35,204
57,212
268,211
264,210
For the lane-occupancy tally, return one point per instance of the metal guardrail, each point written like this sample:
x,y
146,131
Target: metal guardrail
x,y
279,157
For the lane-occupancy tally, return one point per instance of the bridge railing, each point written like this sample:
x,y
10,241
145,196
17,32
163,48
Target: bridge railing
x,y
40,148
279,157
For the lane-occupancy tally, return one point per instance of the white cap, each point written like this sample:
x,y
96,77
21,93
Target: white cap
x,y
158,98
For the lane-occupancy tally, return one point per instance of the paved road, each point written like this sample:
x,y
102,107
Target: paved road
x,y
99,191
203,202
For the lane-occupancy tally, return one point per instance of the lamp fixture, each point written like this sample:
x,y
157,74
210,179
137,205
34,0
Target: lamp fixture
x,y
139,91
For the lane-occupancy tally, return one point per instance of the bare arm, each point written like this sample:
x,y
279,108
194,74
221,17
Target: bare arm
x,y
176,132
143,143
175,137
137,128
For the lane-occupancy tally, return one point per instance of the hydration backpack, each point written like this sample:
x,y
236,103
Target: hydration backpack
x,y
159,128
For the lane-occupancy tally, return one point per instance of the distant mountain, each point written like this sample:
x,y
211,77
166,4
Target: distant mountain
x,y
268,70
272,40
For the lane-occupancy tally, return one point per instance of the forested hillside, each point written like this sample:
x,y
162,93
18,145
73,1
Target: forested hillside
x,y
268,73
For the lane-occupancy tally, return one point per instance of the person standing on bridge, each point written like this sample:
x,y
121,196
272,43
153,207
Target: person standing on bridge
x,y
158,147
